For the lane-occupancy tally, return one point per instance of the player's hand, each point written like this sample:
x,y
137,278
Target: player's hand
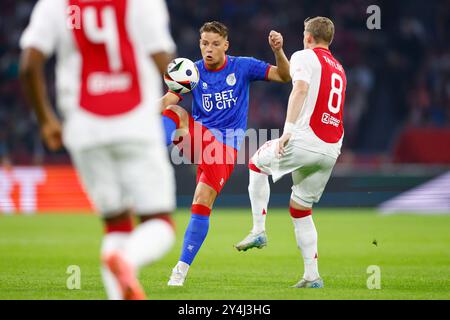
x,y
282,143
51,133
275,40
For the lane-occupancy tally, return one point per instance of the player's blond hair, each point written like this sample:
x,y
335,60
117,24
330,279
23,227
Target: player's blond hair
x,y
321,28
215,27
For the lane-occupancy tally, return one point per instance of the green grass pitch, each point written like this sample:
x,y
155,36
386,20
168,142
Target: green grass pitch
x,y
413,253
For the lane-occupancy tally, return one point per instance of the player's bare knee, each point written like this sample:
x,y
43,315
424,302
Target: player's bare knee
x,y
181,113
204,199
205,196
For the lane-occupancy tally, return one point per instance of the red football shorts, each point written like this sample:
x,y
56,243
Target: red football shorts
x,y
215,159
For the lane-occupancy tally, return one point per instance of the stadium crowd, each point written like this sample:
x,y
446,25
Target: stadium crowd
x,y
397,76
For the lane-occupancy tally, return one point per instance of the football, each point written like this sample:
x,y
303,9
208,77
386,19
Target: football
x,y
182,75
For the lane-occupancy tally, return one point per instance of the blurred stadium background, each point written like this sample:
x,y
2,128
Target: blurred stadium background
x,y
397,112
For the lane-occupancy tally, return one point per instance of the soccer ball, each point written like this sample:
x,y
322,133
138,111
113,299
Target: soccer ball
x,y
182,75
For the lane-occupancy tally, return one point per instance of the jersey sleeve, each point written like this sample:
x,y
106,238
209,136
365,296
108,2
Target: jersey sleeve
x,y
41,32
256,69
301,66
154,26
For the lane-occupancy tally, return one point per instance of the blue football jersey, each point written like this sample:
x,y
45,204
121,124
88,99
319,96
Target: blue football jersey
x,y
220,99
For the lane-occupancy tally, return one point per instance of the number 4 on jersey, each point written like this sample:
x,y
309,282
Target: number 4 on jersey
x,y
109,76
107,34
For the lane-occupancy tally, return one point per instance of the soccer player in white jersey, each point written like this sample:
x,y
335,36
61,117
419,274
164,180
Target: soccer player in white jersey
x,y
308,149
110,58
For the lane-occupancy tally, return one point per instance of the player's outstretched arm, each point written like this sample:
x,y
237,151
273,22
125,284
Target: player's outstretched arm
x,y
32,62
280,72
295,104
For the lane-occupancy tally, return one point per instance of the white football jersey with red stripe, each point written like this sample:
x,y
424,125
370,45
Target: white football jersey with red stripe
x,y
320,126
107,84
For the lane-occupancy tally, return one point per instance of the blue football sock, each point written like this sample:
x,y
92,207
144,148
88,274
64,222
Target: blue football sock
x,y
193,238
169,128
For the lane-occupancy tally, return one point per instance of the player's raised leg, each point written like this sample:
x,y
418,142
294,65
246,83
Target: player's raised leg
x,y
196,232
260,167
259,193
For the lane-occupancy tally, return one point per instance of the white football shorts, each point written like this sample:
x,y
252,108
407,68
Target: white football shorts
x,y
128,175
310,170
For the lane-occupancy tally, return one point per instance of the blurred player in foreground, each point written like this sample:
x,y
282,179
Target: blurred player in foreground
x,y
212,135
308,149
110,57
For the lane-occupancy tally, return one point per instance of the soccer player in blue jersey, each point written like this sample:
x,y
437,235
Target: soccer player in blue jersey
x,y
219,111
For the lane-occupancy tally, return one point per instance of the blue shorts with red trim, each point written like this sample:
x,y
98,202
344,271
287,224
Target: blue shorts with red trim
x,y
215,159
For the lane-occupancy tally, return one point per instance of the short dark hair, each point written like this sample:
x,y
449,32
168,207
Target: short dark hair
x,y
321,28
216,27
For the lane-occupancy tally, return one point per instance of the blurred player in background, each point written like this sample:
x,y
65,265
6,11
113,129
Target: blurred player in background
x,y
110,57
308,149
220,103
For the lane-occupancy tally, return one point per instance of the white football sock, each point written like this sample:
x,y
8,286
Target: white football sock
x,y
112,242
306,236
259,193
149,242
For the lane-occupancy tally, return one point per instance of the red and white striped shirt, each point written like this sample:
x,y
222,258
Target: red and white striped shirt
x,y
107,84
320,124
